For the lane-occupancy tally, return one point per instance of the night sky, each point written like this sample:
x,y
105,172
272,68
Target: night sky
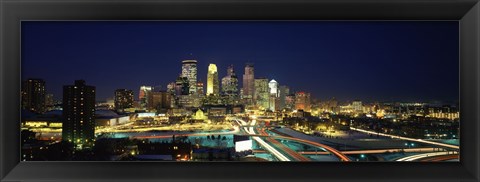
x,y
370,61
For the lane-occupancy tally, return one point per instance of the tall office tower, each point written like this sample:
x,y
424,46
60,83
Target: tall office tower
x,y
200,90
143,95
230,83
262,93
182,86
357,106
248,84
273,86
284,91
79,114
33,95
123,99
212,80
273,97
189,70
302,101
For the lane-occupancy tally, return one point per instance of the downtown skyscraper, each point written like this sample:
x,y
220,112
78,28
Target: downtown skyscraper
x,y
213,87
274,93
189,70
230,83
262,93
248,84
79,114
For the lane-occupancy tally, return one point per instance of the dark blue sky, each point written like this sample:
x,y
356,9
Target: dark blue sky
x,y
373,61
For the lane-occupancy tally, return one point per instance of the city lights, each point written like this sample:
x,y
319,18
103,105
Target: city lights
x,y
266,93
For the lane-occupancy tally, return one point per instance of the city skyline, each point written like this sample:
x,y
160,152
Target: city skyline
x,y
385,83
306,91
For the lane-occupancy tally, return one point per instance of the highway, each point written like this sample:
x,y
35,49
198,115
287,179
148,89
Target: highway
x,y
406,138
341,156
260,141
259,138
427,155
296,156
377,151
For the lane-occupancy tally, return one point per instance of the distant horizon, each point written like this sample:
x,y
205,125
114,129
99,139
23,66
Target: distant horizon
x,y
367,61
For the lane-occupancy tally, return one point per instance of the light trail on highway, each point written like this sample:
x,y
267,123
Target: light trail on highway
x,y
406,138
264,144
427,155
284,148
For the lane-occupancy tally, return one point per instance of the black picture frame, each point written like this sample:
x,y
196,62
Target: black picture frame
x,y
467,12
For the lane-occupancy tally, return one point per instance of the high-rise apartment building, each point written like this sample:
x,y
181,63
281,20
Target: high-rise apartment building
x,y
79,114
33,95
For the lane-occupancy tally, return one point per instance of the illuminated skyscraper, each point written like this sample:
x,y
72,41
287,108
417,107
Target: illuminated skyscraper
x,y
79,114
143,95
302,101
262,93
33,95
189,70
249,84
212,80
123,99
230,83
284,91
273,86
273,101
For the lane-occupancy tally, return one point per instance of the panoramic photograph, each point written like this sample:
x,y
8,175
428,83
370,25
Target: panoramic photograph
x,y
240,91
